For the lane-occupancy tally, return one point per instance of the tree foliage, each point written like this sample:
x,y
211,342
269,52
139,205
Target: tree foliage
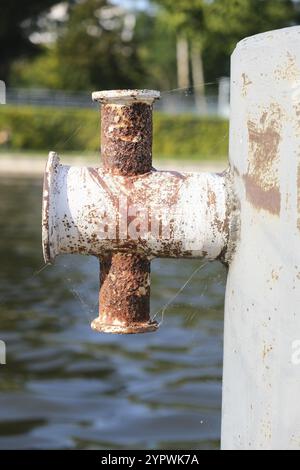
x,y
156,52
94,50
184,16
17,21
217,25
97,48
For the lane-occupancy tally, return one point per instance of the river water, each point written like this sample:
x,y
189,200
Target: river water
x,y
67,387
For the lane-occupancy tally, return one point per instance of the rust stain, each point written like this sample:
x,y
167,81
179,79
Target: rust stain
x,y
100,181
268,199
261,179
245,85
45,221
125,288
126,149
296,107
274,275
126,138
289,71
211,207
50,172
211,195
266,350
297,130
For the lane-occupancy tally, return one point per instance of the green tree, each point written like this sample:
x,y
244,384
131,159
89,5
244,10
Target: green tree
x,y
208,30
102,46
96,47
156,52
17,22
186,18
229,21
40,72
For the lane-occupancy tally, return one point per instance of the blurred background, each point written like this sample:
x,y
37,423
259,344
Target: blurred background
x,y
63,385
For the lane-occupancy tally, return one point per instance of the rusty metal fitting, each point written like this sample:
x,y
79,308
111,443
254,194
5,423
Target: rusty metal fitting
x,y
92,212
127,213
126,130
126,149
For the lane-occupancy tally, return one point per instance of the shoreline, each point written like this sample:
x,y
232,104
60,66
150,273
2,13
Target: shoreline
x,y
22,165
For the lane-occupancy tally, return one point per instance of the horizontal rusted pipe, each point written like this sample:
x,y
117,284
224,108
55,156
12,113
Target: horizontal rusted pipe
x,y
160,214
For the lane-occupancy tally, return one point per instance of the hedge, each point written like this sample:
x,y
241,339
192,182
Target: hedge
x,y
70,129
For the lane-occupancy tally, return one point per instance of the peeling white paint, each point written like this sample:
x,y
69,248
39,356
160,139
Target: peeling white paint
x,y
192,208
261,384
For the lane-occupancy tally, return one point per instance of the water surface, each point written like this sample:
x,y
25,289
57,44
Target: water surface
x,y
67,387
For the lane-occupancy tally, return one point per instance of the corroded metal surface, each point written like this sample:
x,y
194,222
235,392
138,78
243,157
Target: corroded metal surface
x,y
124,295
127,213
126,138
126,149
48,207
160,214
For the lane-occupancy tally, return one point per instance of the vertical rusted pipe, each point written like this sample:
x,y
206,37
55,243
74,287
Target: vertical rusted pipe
x,y
126,149
126,138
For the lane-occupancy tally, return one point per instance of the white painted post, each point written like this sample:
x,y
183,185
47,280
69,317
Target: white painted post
x,y
261,383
